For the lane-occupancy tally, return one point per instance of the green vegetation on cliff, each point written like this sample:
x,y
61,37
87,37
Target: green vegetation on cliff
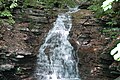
x,y
7,6
107,10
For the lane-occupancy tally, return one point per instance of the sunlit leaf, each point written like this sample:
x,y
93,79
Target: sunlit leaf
x,y
13,5
6,13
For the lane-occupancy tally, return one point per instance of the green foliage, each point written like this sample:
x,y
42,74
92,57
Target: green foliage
x,y
7,6
30,3
112,22
5,9
112,33
13,5
5,13
109,15
70,3
97,9
50,3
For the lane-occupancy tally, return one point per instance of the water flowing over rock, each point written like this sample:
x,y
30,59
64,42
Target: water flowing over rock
x,y
57,59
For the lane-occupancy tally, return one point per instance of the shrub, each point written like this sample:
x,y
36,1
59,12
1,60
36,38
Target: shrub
x,y
107,11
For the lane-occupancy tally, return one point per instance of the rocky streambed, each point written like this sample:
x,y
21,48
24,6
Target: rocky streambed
x,y
19,45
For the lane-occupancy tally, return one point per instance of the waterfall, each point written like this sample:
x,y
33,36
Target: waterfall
x,y
56,59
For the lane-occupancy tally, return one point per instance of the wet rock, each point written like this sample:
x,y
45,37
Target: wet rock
x,y
2,53
30,78
106,56
74,43
19,56
117,78
9,54
84,5
35,16
118,68
3,47
14,40
4,67
38,19
22,53
115,68
1,36
9,27
91,50
34,12
85,42
47,50
116,6
29,30
24,29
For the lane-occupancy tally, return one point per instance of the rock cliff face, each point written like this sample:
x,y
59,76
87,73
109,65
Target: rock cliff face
x,y
23,39
19,45
95,61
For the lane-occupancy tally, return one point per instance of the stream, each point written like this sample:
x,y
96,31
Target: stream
x,y
57,59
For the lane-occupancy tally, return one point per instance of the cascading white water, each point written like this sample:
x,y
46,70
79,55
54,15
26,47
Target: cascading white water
x,y
57,60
